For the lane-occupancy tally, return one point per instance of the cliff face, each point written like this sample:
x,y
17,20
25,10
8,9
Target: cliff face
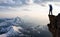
x,y
54,25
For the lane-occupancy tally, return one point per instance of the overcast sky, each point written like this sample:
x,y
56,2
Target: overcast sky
x,y
13,3
22,5
38,9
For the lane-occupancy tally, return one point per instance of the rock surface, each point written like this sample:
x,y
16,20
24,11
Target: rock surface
x,y
54,25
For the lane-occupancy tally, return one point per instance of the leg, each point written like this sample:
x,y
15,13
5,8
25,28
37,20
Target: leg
x,y
49,12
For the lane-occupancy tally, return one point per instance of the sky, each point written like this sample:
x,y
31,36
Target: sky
x,y
38,9
19,7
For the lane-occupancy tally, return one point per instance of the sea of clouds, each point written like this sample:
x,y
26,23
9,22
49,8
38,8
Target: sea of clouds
x,y
16,27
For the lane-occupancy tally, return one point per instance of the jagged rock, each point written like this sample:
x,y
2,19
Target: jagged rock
x,y
54,25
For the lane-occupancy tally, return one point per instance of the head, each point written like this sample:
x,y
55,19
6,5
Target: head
x,y
50,5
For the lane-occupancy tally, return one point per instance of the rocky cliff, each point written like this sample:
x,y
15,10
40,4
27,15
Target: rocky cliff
x,y
54,25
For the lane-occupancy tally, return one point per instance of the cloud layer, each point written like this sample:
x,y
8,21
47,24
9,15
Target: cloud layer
x,y
13,3
16,3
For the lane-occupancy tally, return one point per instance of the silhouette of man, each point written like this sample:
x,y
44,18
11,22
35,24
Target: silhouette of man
x,y
50,9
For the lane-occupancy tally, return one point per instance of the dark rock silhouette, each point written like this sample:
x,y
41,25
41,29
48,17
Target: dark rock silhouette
x,y
54,25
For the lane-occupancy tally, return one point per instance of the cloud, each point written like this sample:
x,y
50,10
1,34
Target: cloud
x,y
9,4
12,3
16,3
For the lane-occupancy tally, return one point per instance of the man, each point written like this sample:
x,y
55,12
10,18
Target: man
x,y
50,10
